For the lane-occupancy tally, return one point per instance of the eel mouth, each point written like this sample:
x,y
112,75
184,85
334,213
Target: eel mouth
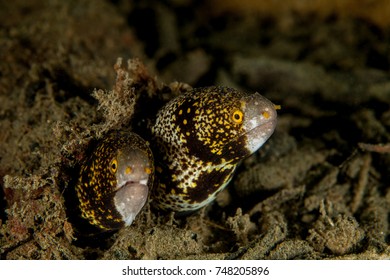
x,y
258,134
265,129
261,125
130,198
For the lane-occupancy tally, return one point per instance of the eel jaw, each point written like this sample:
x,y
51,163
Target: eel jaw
x,y
130,198
258,135
261,122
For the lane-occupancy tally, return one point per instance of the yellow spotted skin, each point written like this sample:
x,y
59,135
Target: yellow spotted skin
x,y
198,140
98,181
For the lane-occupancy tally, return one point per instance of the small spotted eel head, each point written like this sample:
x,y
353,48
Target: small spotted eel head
x,y
115,181
132,168
218,124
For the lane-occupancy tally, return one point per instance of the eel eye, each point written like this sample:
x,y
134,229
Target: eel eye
x,y
114,165
237,116
148,170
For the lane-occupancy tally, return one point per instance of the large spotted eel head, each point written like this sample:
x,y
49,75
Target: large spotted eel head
x,y
218,124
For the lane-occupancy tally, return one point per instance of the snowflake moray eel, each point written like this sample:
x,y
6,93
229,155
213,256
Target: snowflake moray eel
x,y
115,180
198,140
